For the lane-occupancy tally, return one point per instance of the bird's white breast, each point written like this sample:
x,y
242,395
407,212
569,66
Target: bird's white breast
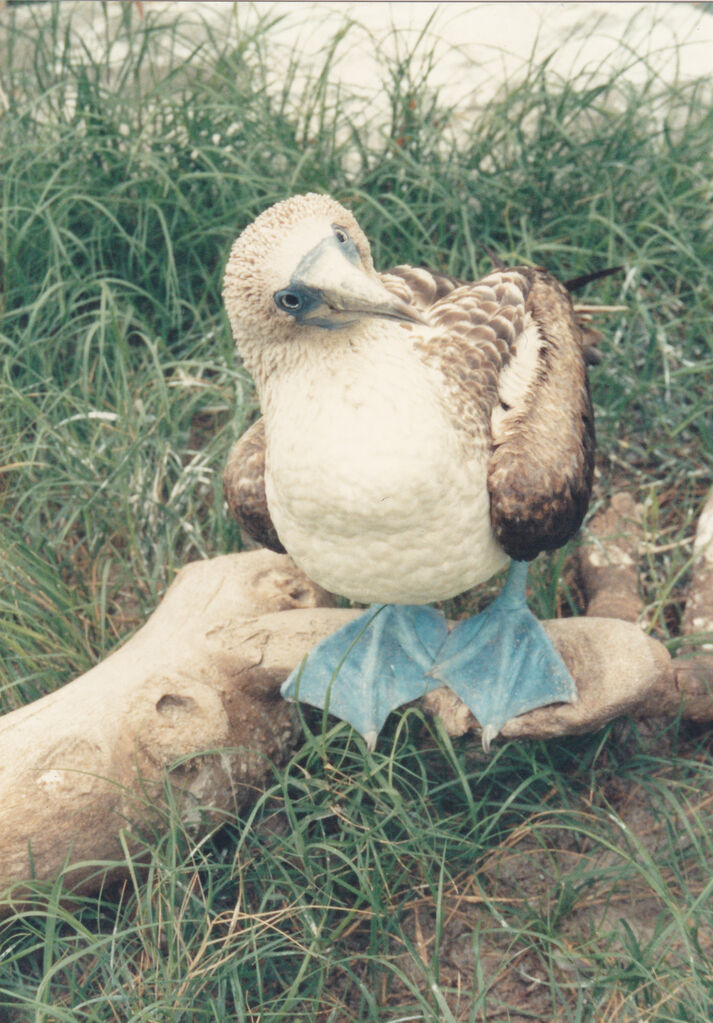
x,y
368,483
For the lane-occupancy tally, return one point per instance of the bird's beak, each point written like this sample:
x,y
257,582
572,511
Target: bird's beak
x,y
346,287
359,292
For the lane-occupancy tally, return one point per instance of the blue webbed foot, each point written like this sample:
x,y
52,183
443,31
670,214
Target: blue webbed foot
x,y
501,662
372,665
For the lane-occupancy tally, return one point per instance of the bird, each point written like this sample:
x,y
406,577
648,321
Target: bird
x,y
419,433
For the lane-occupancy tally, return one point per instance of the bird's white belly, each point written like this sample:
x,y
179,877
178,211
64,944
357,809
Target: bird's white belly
x,y
369,487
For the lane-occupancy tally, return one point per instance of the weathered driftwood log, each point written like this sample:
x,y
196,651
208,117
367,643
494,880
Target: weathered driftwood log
x,y
194,693
192,701
609,560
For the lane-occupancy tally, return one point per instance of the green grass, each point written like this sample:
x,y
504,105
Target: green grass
x,y
566,881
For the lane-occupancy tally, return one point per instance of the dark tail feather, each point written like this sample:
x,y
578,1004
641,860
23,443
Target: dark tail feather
x,y
579,282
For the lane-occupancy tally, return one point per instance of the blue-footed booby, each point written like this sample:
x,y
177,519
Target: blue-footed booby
x,y
419,433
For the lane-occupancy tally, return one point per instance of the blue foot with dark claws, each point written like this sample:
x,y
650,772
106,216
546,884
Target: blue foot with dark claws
x,y
372,665
501,663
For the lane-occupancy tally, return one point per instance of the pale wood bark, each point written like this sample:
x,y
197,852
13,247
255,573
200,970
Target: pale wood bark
x,y
191,700
609,560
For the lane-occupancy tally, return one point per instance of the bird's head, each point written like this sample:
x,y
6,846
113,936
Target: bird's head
x,y
301,270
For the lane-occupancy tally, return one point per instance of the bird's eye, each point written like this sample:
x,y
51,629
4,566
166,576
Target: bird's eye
x,y
341,235
290,301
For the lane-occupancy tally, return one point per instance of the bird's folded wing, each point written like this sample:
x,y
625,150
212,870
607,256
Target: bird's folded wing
x,y
540,472
244,487
511,355
418,286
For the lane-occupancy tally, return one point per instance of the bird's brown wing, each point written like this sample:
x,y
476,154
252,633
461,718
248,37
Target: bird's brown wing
x,y
422,288
512,360
541,469
244,487
419,287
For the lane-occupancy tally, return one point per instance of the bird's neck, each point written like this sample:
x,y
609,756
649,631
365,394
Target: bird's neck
x,y
319,358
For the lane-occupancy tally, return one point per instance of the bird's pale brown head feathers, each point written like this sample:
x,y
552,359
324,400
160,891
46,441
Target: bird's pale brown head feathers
x,y
301,270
